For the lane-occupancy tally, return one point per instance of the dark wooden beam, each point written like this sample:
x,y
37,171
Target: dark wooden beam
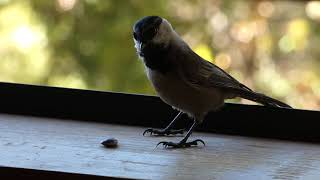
x,y
150,111
35,174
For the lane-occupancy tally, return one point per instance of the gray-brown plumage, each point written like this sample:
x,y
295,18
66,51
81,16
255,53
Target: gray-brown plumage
x,y
183,79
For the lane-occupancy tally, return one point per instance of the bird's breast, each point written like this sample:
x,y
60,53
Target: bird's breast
x,y
172,90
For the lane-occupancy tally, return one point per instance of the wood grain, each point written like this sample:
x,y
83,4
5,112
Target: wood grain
x,y
73,146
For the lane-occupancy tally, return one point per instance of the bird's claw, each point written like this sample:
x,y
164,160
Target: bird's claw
x,y
181,144
163,132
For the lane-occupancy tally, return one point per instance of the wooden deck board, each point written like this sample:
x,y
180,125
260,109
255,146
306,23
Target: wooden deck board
x,y
74,146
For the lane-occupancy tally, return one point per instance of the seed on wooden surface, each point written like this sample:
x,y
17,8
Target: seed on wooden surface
x,y
110,143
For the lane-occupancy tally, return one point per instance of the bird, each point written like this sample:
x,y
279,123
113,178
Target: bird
x,y
184,80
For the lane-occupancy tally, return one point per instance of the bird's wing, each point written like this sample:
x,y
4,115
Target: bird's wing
x,y
198,73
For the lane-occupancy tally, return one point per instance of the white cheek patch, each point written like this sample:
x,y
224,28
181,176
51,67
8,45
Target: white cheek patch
x,y
162,36
165,33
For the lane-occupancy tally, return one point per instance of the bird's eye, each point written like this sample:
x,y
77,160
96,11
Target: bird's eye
x,y
135,36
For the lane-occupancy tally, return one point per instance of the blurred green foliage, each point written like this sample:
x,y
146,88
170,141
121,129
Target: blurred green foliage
x,y
271,46
94,40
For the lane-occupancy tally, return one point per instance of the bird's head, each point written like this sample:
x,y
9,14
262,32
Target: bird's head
x,y
152,30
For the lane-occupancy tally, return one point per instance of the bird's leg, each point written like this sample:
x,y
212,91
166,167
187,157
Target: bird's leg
x,y
167,130
183,143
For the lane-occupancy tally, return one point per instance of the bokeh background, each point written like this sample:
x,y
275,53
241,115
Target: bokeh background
x,y
271,46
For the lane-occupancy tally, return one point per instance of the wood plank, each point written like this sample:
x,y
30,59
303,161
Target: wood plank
x,y
74,147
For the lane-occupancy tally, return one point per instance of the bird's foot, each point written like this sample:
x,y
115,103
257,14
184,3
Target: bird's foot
x,y
181,144
163,132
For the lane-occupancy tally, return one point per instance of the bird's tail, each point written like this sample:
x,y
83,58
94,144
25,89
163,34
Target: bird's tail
x,y
263,99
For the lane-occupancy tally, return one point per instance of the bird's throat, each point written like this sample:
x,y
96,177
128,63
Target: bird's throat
x,y
156,57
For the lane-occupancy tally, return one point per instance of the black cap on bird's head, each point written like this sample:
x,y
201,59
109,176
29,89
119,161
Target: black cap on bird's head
x,y
146,28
